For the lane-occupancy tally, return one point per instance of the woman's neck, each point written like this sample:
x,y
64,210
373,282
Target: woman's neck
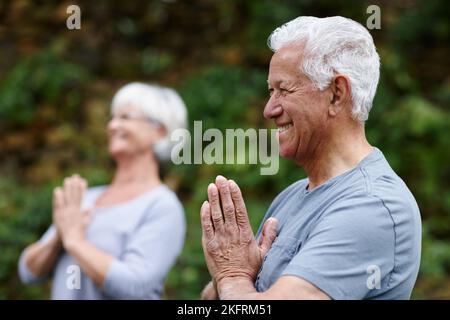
x,y
141,170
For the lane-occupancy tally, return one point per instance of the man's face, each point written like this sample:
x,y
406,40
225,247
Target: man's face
x,y
298,109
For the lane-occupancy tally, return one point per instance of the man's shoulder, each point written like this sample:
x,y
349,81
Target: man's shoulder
x,y
383,183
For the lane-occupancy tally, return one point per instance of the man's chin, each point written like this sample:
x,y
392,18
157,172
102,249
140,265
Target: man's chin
x,y
286,153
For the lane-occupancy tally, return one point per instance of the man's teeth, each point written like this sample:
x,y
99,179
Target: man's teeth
x,y
284,128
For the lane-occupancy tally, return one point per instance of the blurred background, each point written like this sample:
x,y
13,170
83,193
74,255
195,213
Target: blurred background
x,y
56,86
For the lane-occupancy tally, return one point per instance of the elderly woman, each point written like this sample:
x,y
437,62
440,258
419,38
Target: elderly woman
x,y
117,241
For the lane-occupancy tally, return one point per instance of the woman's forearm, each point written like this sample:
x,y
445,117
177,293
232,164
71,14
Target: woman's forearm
x,y
40,257
94,262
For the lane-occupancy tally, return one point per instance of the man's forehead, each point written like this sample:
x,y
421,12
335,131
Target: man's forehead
x,y
290,51
285,63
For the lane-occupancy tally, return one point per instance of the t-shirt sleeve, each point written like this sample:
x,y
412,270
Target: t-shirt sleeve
x,y
350,251
149,254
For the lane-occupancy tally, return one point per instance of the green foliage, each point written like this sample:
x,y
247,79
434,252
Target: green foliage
x,y
36,80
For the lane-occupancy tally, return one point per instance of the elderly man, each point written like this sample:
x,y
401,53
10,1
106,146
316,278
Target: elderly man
x,y
351,229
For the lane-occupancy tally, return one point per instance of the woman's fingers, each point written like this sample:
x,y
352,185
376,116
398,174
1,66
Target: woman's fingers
x,y
73,189
68,190
87,217
58,198
80,186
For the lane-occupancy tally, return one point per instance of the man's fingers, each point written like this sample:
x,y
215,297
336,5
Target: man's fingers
x,y
239,205
268,235
216,211
205,217
226,201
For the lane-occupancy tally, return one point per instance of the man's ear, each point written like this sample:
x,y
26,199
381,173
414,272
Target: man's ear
x,y
340,94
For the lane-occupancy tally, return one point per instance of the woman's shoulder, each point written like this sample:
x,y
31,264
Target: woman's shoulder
x,y
164,199
165,195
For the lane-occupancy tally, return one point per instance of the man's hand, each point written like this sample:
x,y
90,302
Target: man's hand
x,y
228,242
67,216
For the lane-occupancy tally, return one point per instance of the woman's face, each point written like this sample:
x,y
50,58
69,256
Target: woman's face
x,y
131,133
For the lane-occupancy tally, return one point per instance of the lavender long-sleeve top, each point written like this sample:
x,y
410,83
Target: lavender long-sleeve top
x,y
145,235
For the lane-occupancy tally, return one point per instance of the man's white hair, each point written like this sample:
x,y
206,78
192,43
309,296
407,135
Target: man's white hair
x,y
335,45
158,103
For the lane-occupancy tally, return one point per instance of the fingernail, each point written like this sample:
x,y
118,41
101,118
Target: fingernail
x,y
232,184
221,180
212,187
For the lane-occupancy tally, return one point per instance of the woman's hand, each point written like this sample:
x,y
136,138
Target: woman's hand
x,y
67,216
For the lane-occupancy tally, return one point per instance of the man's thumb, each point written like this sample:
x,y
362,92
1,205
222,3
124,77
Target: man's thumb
x,y
269,233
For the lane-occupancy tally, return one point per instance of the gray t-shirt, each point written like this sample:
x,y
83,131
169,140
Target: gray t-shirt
x,y
145,235
357,236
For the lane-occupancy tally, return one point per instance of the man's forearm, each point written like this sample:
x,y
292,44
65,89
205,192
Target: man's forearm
x,y
238,288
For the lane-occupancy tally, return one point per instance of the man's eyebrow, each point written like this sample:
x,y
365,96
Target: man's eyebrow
x,y
280,82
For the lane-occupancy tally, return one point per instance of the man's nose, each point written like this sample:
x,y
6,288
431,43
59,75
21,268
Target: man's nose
x,y
272,109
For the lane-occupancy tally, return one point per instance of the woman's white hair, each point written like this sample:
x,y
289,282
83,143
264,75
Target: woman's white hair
x,y
335,45
157,103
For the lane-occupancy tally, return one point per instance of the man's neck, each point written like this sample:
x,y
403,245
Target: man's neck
x,y
335,157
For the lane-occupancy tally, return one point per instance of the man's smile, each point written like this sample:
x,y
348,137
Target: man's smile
x,y
285,127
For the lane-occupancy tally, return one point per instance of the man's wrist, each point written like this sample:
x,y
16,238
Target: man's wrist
x,y
232,288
